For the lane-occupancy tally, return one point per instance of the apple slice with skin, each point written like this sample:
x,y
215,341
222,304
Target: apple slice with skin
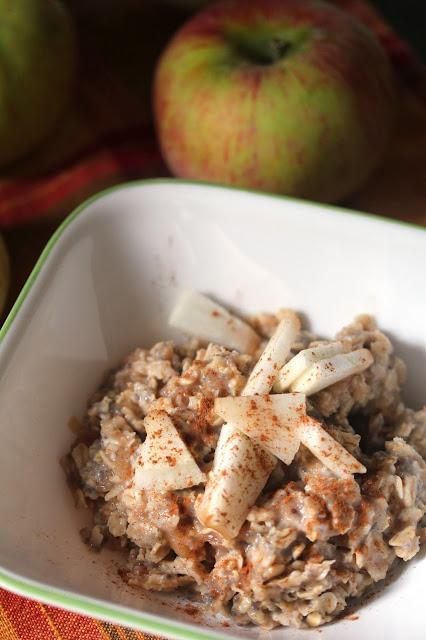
x,y
163,462
302,361
327,372
269,420
199,316
241,467
324,447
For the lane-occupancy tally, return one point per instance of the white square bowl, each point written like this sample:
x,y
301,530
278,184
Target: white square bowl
x,y
105,284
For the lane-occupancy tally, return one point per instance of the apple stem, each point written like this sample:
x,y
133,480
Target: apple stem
x,y
278,49
263,51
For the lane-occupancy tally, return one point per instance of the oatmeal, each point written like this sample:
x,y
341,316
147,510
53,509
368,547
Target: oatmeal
x,y
275,505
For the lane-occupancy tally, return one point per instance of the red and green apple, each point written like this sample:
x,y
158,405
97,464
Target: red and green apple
x,y
286,96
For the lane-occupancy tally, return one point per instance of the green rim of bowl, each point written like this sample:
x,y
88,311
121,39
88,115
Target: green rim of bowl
x,y
86,605
113,613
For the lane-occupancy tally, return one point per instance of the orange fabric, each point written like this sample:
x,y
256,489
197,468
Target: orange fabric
x,y
107,137
22,619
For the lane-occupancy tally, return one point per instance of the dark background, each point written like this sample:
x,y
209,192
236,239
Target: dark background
x,y
408,18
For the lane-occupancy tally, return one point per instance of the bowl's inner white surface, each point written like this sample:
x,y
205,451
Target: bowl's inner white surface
x,y
108,286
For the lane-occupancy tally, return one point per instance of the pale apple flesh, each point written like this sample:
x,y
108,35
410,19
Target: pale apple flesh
x,y
289,96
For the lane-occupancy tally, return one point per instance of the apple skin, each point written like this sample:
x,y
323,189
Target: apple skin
x,y
286,96
37,62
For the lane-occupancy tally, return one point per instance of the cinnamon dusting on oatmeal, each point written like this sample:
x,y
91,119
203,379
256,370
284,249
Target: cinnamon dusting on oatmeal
x,y
309,535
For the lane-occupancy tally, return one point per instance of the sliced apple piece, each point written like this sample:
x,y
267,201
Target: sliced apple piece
x,y
266,370
324,447
241,467
239,474
199,316
163,462
269,421
302,361
327,372
240,471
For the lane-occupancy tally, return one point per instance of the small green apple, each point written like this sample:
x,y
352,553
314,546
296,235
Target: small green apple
x,y
287,96
37,59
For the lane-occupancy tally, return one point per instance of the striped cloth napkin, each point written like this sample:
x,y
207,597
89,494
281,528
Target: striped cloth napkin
x,y
107,137
22,619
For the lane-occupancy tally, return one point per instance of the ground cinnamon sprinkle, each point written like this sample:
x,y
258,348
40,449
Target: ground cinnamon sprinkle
x,y
204,414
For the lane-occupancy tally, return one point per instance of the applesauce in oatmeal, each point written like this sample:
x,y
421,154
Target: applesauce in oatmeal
x,y
272,475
